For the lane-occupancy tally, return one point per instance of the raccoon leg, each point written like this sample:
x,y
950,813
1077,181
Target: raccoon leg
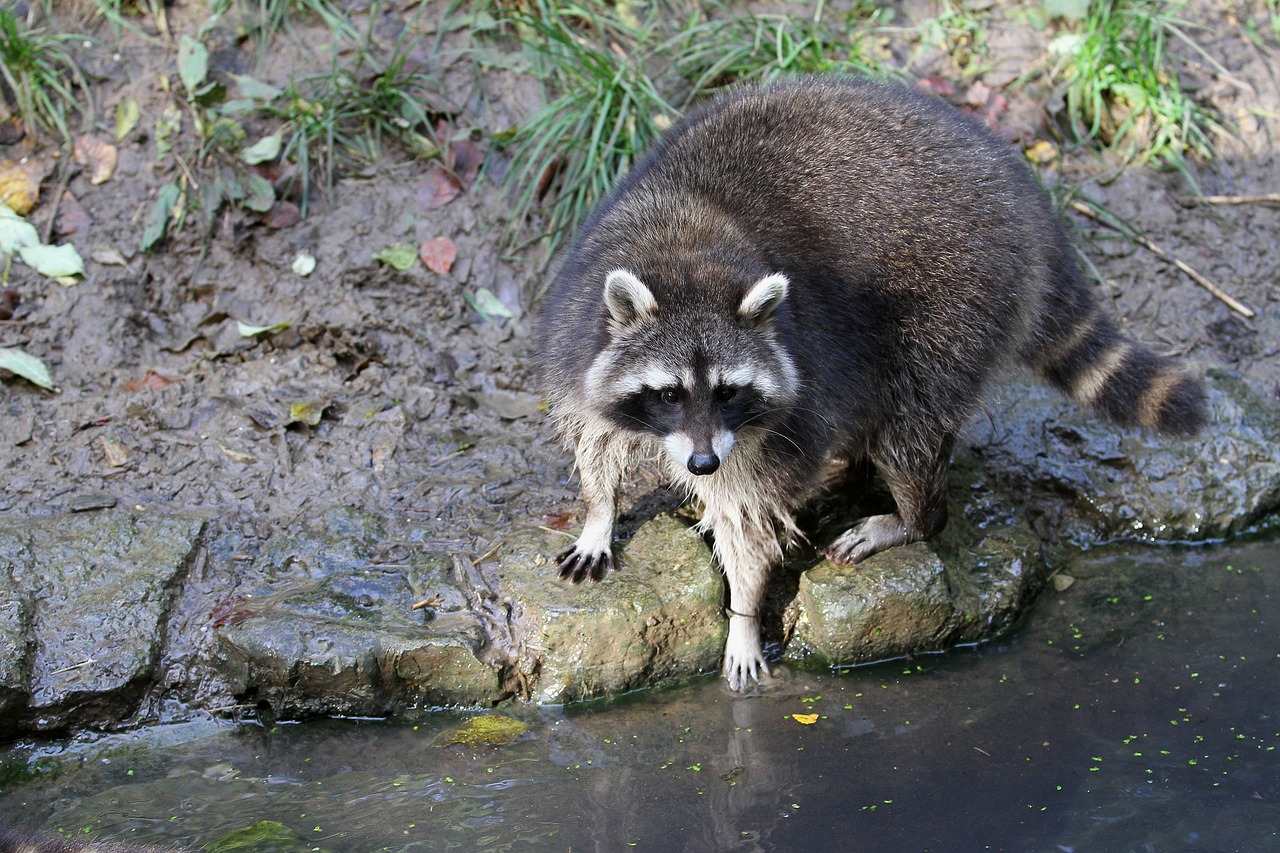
x,y
600,464
745,552
918,483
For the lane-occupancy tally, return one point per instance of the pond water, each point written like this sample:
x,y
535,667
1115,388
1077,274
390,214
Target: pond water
x,y
1138,709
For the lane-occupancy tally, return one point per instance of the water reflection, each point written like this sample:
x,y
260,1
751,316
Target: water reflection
x,y
1133,711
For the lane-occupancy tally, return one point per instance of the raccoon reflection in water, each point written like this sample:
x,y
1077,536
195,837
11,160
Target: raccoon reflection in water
x,y
827,267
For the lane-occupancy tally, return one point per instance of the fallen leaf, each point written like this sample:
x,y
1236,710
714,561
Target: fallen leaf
x,y
15,232
27,366
438,254
20,184
467,159
151,381
559,521
283,214
265,149
307,412
158,219
108,256
805,719
489,306
72,216
97,156
437,189
53,261
127,114
304,264
255,89
12,131
1042,153
247,331
1062,582
115,453
261,197
193,63
397,256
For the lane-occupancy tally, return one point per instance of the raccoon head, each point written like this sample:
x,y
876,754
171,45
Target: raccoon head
x,y
693,377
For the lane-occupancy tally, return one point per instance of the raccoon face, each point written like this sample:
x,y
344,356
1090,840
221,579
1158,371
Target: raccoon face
x,y
696,381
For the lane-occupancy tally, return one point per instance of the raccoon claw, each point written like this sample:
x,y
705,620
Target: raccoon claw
x,y
869,536
577,565
744,663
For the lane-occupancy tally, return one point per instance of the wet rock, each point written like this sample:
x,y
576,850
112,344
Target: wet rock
x,y
1106,482
332,629
84,616
968,585
658,617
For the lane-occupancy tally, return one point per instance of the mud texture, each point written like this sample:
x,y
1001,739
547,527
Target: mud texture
x,y
199,522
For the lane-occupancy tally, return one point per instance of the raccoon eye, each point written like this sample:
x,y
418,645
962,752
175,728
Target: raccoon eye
x,y
725,393
670,396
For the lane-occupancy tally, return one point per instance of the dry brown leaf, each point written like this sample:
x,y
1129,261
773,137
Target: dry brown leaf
x,y
20,184
72,217
115,453
97,156
283,214
437,189
438,255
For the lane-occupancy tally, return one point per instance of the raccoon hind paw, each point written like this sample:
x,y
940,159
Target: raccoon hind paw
x,y
577,564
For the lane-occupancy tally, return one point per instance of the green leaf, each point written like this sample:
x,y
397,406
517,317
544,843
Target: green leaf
x,y
28,367
266,148
398,256
193,63
489,306
247,331
158,219
304,264
261,195
255,89
127,114
53,261
15,232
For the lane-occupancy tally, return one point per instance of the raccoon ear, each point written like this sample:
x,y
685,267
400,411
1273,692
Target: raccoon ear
x,y
627,299
763,299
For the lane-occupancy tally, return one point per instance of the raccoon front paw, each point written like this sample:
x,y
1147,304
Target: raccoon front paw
x,y
869,536
577,564
744,663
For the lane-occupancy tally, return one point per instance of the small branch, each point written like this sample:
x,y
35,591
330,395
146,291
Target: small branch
x,y
1218,293
1269,198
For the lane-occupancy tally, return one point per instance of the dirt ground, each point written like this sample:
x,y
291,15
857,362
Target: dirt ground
x,y
428,410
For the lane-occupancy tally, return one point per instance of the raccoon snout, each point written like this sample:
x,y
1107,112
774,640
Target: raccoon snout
x,y
703,463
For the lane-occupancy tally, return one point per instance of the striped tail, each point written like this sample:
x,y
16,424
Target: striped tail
x,y
1087,358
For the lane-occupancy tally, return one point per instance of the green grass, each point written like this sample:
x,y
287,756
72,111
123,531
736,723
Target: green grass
x,y
604,110
1121,84
40,77
614,84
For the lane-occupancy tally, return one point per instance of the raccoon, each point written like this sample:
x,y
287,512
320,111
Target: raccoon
x,y
824,268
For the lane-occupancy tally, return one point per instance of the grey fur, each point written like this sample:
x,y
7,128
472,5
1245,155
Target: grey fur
x,y
855,261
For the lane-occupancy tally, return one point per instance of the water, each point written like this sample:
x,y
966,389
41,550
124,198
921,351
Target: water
x,y
1136,710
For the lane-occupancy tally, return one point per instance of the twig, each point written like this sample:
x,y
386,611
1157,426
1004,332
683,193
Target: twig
x,y
1218,293
1268,198
487,554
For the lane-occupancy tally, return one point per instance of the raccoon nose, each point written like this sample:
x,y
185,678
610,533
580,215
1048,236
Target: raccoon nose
x,y
703,463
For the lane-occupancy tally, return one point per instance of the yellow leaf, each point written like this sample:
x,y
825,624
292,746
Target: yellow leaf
x,y
1042,152
19,186
805,719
